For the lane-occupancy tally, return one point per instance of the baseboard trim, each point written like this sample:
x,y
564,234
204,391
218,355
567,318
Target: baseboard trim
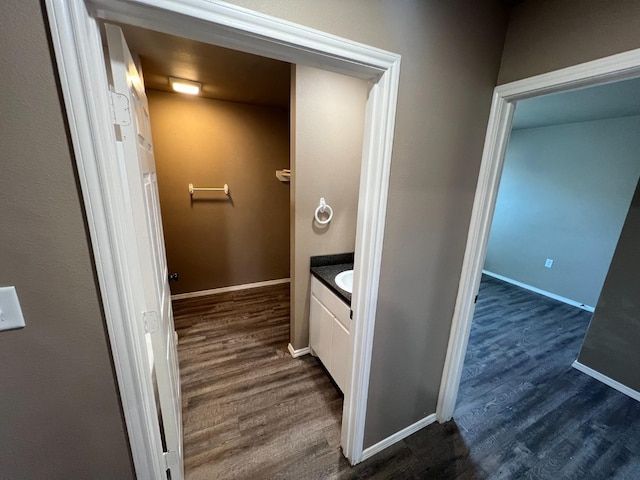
x,y
396,437
298,353
630,392
233,288
568,301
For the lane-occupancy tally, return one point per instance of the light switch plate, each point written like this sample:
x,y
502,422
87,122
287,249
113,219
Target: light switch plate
x,y
10,311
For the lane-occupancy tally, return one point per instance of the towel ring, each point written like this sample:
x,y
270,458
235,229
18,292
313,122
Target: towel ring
x,y
321,209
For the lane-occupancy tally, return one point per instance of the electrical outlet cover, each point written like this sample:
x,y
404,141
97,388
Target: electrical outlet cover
x,y
10,311
548,263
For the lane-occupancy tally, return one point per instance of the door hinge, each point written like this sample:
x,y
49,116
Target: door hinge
x,y
170,459
120,111
475,300
150,320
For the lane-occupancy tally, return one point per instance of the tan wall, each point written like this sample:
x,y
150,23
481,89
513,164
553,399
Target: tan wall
x,y
545,35
60,415
328,124
213,241
450,58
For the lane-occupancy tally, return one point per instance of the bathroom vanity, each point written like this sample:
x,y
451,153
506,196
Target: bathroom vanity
x,y
330,316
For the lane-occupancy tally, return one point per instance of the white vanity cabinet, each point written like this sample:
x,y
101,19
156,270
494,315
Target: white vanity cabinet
x,y
329,332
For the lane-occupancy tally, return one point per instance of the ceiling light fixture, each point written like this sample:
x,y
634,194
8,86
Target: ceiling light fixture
x,y
185,86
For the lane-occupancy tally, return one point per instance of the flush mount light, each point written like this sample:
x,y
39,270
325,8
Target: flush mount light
x,y
185,86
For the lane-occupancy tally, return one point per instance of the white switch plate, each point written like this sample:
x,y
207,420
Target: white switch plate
x,y
10,311
548,263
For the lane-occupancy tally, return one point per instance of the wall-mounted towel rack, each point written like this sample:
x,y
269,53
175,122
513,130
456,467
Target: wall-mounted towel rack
x,y
224,189
284,175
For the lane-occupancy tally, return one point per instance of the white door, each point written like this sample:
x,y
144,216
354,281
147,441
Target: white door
x,y
133,134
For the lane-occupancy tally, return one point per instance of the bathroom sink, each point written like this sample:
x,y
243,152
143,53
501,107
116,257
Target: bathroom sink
x,y
345,280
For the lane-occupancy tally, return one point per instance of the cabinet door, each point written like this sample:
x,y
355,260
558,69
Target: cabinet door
x,y
340,361
331,302
320,326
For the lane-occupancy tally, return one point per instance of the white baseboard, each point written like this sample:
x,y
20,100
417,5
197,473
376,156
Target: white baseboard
x,y
233,288
630,392
396,437
298,353
568,301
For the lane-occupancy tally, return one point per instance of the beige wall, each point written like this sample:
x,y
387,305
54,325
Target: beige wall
x,y
545,35
450,61
327,125
213,241
59,408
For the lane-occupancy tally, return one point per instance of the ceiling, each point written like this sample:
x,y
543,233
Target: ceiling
x,y
225,74
612,100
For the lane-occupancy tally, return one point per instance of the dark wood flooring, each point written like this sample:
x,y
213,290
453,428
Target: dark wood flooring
x,y
252,412
524,411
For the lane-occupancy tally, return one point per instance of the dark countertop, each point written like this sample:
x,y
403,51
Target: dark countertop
x,y
326,267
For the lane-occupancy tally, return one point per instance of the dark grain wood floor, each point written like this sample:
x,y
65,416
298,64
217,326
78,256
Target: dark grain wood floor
x,y
524,411
252,412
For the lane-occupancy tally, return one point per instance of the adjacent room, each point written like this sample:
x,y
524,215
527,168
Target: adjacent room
x,y
570,172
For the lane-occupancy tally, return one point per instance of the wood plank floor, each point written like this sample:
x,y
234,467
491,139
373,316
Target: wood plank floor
x,y
252,412
524,411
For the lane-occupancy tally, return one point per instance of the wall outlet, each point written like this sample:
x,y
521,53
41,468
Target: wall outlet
x,y
548,263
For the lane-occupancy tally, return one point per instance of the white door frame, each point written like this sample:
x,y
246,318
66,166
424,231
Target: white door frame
x,y
77,44
606,70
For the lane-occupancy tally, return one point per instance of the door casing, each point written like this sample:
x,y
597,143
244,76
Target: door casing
x,y
77,43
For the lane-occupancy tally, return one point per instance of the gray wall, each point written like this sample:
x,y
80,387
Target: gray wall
x,y
545,35
564,194
611,344
60,414
449,68
327,127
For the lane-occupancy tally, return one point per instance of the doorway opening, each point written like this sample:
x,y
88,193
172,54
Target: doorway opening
x,y
228,250
599,72
569,176
76,38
